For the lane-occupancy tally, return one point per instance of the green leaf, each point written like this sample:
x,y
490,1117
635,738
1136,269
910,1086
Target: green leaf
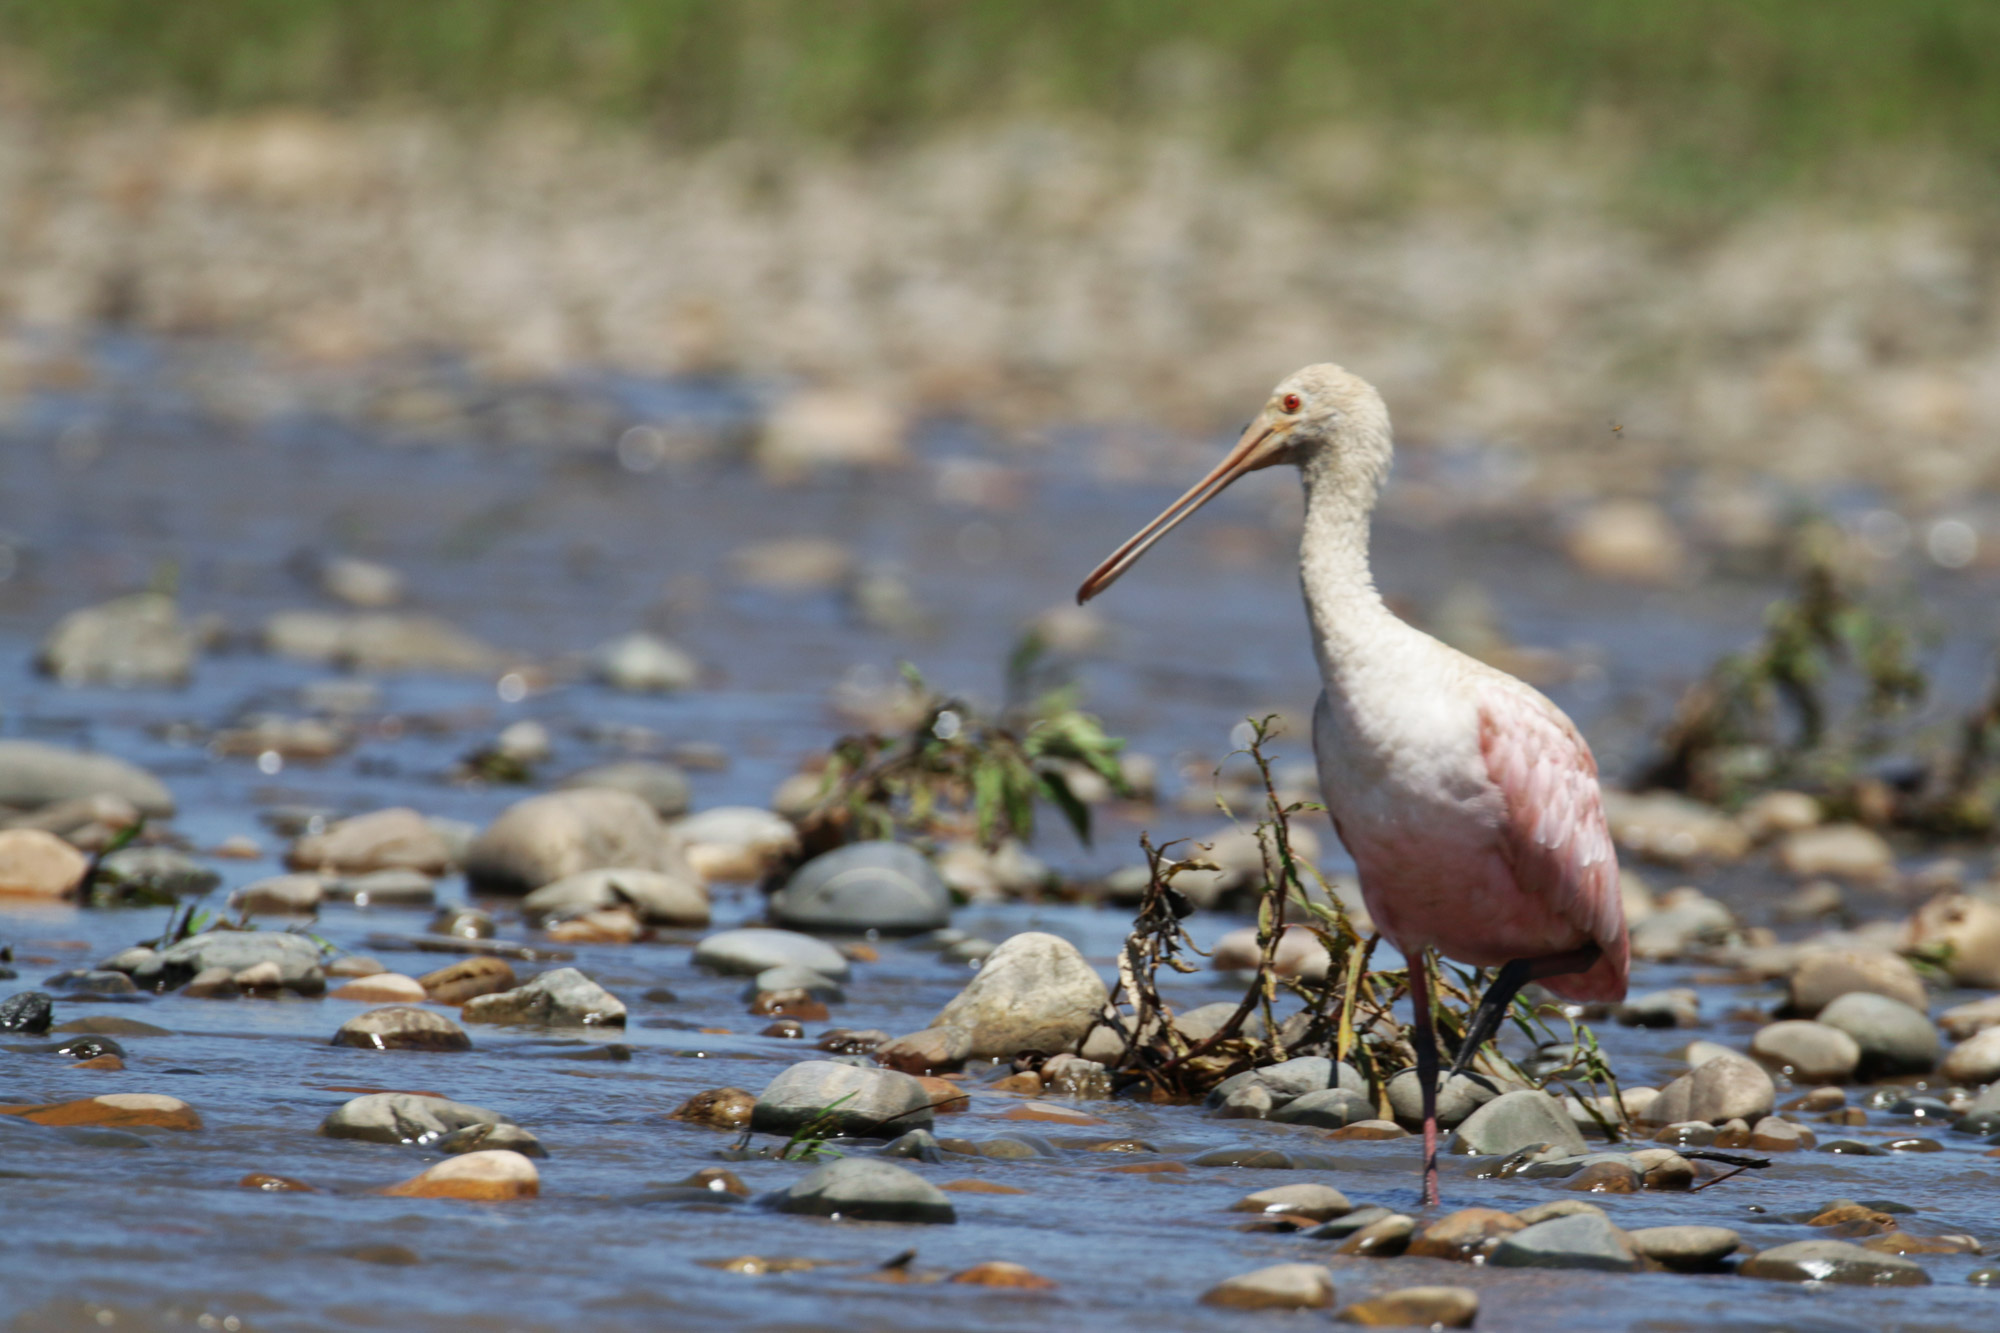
x,y
1056,787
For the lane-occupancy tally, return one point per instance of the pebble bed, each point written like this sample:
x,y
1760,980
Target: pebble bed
x,y
136,1212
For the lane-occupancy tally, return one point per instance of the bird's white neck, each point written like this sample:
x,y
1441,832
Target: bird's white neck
x,y
1346,611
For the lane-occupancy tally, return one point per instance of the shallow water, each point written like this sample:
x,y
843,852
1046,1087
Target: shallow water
x,y
547,552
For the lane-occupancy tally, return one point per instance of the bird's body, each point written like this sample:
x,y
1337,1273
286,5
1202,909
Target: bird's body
x,y
1468,801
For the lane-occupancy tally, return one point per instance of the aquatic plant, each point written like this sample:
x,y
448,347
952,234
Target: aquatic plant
x,y
1347,1015
958,771
1808,705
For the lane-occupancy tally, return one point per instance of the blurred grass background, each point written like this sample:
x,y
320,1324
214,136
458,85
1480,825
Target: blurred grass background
x,y
1715,93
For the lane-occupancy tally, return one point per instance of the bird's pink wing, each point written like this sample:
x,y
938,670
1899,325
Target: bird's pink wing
x,y
1554,837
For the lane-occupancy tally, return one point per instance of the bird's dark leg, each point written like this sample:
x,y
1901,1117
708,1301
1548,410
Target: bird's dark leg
x,y
1499,997
1427,1070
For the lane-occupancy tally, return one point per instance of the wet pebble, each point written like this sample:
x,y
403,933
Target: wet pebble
x,y
384,888
562,997
1894,1037
279,895
1416,1307
1463,1234
462,981
869,1100
1687,1249
1834,1261
404,1117
39,865
30,1013
1278,1287
867,1189
662,786
864,886
1727,1087
996,1273
1035,993
1384,1238
643,663
546,838
114,1110
495,1174
1515,1120
398,838
1822,976
1585,1240
755,949
1808,1051
382,988
402,1028
718,1108
735,842
1318,1202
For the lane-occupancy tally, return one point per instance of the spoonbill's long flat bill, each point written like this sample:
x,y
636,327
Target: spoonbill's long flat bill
x,y
1468,801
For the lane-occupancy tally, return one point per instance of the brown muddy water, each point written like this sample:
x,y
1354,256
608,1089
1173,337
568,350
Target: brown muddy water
x,y
547,552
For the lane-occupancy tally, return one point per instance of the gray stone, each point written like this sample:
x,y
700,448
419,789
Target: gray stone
x,y
642,663
33,775
405,1117
755,949
295,956
378,641
662,786
1893,1037
1318,1202
1457,1098
492,1138
155,870
1199,1024
279,895
1808,1051
1822,976
919,1145
29,1012
881,886
658,898
397,838
1729,1087
1580,1240
1676,1008
1686,1249
1034,993
1279,1287
546,838
790,976
402,1027
1515,1120
870,1190
1329,1108
385,888
1834,1261
1252,1101
871,1100
563,997
1289,1079
137,640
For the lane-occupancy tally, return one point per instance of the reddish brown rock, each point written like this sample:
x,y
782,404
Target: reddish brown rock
x,y
263,1180
995,1273
114,1110
718,1108
467,978
1464,1234
979,1187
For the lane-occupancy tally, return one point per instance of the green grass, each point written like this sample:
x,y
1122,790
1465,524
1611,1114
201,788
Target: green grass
x,y
1784,88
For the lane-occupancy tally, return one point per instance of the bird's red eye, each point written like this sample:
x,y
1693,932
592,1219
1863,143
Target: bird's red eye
x,y
1290,402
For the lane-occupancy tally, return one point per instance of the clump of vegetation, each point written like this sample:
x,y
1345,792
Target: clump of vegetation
x,y
1774,715
1827,702
1347,1016
958,772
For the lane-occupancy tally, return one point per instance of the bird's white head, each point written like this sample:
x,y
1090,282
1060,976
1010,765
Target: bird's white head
x,y
1328,422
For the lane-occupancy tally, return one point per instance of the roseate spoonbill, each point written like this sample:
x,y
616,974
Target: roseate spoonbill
x,y
1468,801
